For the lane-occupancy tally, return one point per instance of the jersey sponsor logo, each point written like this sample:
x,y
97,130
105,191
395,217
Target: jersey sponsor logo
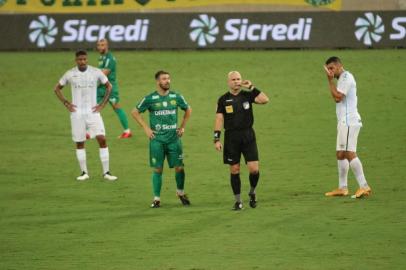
x,y
229,109
164,112
166,127
246,105
159,127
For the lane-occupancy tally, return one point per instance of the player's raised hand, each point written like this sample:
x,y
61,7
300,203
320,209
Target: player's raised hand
x,y
180,131
71,107
330,74
218,146
149,132
246,84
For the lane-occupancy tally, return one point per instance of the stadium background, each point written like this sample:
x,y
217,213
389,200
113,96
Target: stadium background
x,y
49,221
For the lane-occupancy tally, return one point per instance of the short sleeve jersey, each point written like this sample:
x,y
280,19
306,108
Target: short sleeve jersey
x,y
237,110
163,117
84,87
347,111
108,61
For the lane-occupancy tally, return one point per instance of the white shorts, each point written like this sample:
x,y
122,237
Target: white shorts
x,y
347,137
82,123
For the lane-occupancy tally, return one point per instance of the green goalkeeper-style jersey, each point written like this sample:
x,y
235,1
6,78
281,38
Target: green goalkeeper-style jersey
x,y
108,61
163,114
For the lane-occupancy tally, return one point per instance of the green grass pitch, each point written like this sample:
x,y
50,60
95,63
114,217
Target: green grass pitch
x,y
48,220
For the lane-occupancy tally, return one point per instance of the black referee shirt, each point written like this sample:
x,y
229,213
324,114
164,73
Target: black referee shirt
x,y
237,110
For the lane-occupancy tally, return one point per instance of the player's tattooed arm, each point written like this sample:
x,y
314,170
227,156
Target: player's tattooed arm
x,y
58,91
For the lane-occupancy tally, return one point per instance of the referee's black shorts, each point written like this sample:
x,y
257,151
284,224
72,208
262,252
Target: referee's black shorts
x,y
237,142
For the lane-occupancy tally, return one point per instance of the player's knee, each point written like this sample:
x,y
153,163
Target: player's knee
x,y
235,169
350,155
158,170
179,169
102,141
80,145
340,155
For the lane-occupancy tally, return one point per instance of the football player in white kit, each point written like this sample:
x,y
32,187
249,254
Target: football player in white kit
x,y
348,127
85,112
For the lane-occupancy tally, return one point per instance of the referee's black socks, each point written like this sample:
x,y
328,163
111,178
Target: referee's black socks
x,y
254,178
236,186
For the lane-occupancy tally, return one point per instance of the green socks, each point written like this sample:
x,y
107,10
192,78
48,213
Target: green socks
x,y
180,180
157,183
123,117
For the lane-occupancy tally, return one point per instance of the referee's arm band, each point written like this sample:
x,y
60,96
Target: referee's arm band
x,y
216,135
255,91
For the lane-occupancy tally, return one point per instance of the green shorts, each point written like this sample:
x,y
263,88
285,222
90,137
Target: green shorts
x,y
113,99
158,151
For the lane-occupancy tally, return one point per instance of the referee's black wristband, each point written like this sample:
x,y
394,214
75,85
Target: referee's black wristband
x,y
216,135
255,91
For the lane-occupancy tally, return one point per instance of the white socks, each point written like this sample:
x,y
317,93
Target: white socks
x,y
343,166
104,157
356,167
81,156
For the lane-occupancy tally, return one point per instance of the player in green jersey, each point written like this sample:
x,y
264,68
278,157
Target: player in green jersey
x,y
164,133
107,63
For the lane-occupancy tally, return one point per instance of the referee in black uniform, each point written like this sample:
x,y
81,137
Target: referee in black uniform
x,y
234,112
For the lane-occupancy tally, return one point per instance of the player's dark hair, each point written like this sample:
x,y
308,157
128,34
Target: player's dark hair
x,y
333,59
159,73
80,52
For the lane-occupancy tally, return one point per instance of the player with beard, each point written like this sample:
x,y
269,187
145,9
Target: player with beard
x,y
164,134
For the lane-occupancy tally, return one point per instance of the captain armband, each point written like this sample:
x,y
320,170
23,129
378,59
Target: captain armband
x,y
216,136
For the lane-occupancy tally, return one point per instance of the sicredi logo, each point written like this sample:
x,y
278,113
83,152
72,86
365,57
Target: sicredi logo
x,y
369,29
43,31
205,29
